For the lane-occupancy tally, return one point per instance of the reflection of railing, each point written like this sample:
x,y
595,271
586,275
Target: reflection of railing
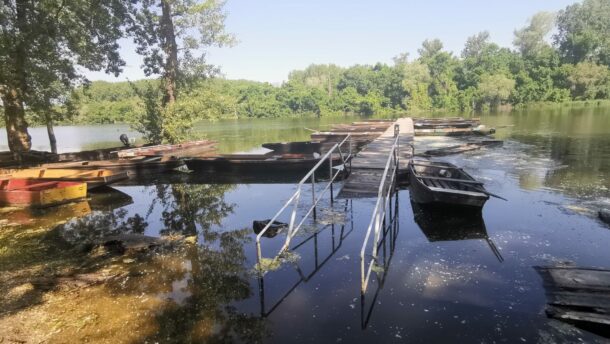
x,y
296,197
378,219
386,246
303,278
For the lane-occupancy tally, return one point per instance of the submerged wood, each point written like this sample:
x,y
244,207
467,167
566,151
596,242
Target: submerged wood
x,y
580,295
604,215
273,230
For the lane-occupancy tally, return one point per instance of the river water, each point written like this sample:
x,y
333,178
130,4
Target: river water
x,y
439,280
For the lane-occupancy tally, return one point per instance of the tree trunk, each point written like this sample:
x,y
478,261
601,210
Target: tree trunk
x,y
170,48
13,92
51,132
14,118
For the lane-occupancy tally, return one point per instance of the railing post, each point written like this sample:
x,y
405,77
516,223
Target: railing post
x,y
330,177
313,194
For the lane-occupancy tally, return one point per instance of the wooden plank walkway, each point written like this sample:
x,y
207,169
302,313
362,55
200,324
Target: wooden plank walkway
x,y
368,164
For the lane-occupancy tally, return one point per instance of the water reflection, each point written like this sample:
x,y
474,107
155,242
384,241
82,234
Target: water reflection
x,y
564,149
385,252
183,209
198,286
189,290
43,218
193,209
452,225
108,199
338,233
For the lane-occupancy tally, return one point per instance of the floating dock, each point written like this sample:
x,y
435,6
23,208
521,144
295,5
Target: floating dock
x,y
368,165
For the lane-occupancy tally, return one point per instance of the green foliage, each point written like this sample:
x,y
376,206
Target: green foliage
x,y
43,47
584,32
173,36
495,89
485,76
530,39
589,81
416,83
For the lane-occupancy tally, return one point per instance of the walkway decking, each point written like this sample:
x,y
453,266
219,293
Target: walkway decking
x,y
368,165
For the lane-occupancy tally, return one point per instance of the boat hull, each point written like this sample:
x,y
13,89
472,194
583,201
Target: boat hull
x,y
436,196
133,167
254,166
32,193
93,178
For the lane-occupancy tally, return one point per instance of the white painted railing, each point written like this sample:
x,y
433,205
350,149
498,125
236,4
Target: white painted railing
x,y
295,199
386,189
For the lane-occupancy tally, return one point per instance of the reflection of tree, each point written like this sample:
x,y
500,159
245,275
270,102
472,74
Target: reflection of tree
x,y
100,224
201,283
187,205
209,276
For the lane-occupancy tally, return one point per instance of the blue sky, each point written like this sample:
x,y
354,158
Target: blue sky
x,y
277,36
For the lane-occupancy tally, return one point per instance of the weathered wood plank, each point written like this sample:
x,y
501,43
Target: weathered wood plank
x,y
566,314
369,164
577,278
580,299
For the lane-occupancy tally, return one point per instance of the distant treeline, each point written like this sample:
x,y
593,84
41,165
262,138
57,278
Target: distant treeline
x,y
484,76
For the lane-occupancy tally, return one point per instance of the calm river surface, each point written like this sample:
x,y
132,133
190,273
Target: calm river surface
x,y
440,280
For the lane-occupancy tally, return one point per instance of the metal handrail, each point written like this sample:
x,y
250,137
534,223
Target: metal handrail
x,y
378,217
296,197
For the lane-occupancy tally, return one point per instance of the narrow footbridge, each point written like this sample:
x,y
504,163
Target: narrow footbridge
x,y
374,173
369,164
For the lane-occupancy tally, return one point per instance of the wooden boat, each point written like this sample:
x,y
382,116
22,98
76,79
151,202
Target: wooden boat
x,y
436,123
93,178
139,166
466,147
257,163
186,149
302,147
442,183
30,192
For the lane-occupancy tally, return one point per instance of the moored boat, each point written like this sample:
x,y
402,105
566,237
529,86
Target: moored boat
x,y
93,178
34,193
252,164
139,166
302,147
186,149
442,183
